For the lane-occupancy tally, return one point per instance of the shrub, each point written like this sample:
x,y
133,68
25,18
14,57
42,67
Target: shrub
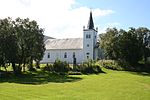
x,y
17,70
48,67
88,67
61,67
111,64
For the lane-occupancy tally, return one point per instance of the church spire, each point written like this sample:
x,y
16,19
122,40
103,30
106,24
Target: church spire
x,y
90,22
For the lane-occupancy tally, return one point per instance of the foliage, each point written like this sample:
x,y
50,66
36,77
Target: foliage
x,y
48,67
88,67
143,35
127,47
21,42
107,42
61,67
111,64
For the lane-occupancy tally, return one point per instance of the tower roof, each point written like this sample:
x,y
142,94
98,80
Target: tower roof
x,y
90,22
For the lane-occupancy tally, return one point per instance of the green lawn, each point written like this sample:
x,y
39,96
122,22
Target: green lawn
x,y
112,85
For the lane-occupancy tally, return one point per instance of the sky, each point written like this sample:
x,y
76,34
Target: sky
x,y
66,18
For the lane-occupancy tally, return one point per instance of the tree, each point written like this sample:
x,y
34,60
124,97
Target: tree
x,y
35,43
30,41
125,46
21,42
8,43
143,35
129,47
107,42
2,43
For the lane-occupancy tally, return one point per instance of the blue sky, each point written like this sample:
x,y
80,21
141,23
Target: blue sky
x,y
66,18
128,13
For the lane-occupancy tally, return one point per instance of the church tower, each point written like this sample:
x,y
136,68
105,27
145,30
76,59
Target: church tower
x,y
90,40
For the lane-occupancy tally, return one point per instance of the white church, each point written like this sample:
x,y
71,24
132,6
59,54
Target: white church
x,y
72,50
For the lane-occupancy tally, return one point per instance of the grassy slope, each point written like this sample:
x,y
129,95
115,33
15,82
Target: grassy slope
x,y
114,85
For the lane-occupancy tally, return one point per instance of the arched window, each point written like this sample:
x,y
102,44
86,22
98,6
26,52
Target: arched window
x,y
87,53
48,56
65,55
74,55
88,36
87,57
88,45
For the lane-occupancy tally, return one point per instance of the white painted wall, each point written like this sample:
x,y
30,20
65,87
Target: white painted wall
x,y
59,54
80,54
89,41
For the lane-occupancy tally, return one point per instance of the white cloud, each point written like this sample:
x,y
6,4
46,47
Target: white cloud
x,y
100,12
58,17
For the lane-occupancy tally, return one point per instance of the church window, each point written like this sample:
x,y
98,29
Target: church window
x,y
87,45
48,56
87,57
88,36
87,53
65,55
74,55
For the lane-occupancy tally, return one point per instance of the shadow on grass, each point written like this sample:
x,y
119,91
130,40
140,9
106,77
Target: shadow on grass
x,y
141,73
39,77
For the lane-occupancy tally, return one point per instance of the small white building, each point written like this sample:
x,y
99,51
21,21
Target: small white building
x,y
73,49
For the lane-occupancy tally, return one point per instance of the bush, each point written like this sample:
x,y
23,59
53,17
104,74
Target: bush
x,y
88,67
48,67
17,70
4,74
61,67
111,64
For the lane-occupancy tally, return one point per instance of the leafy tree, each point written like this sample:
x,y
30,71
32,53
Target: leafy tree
x,y
126,46
8,43
30,41
2,43
129,47
107,42
143,35
21,42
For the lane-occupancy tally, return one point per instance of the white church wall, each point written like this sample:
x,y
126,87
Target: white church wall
x,y
88,51
59,54
89,41
87,45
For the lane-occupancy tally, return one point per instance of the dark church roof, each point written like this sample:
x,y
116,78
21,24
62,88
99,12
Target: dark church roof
x,y
90,22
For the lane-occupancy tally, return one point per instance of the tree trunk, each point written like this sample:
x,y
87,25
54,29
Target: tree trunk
x,y
14,68
23,67
37,64
31,66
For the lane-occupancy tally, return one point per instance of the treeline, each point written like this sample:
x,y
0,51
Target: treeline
x,y
126,47
21,42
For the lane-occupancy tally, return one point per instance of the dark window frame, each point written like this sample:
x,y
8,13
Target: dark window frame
x,y
48,56
74,55
65,55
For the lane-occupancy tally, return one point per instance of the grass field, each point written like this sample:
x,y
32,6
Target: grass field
x,y
111,85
